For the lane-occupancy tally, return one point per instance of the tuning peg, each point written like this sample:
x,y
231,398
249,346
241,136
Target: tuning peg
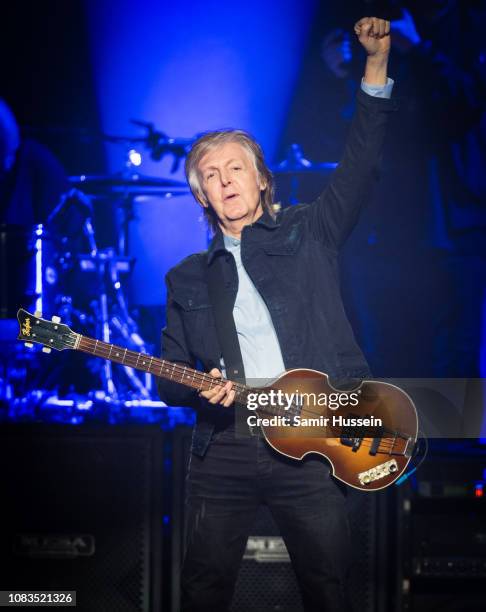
x,y
38,314
28,344
56,319
46,349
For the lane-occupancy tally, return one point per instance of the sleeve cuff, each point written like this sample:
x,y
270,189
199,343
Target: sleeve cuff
x,y
378,91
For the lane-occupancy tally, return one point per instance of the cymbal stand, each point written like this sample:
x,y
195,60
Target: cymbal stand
x,y
124,209
124,322
129,330
101,305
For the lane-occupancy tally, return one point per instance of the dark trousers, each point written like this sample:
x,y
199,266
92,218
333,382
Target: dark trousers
x,y
224,490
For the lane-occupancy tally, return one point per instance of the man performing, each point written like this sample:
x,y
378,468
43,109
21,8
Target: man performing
x,y
264,298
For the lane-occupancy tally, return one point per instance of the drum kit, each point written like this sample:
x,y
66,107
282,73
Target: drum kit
x,y
59,268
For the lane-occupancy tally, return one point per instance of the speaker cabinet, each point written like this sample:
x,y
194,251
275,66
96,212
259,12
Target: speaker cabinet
x,y
81,510
441,524
266,580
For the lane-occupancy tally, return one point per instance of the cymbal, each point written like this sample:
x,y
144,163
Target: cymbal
x,y
312,168
296,163
119,180
134,184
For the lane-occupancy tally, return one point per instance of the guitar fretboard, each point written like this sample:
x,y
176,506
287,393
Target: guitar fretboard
x,y
158,367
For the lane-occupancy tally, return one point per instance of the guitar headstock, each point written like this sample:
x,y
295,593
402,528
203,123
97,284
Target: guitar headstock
x,y
51,334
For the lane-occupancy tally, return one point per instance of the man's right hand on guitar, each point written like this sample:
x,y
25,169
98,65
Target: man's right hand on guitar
x,y
219,395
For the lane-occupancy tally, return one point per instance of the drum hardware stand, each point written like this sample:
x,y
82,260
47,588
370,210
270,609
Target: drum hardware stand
x,y
124,322
129,330
143,389
68,312
106,264
101,308
124,206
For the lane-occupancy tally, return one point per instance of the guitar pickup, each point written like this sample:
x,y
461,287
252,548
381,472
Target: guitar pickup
x,y
350,437
375,445
354,443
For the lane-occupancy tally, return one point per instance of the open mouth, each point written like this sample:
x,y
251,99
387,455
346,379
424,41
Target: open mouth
x,y
231,196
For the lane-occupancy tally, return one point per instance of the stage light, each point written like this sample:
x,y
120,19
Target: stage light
x,y
135,157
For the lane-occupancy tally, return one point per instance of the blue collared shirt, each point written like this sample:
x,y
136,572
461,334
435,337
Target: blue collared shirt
x,y
260,349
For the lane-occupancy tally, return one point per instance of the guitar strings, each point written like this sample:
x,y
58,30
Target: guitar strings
x,y
100,348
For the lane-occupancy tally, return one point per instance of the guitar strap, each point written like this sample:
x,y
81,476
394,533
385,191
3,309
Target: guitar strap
x,y
222,302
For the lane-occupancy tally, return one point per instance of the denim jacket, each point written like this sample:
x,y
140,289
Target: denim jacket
x,y
293,263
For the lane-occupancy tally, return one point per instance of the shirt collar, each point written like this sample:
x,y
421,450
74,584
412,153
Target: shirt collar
x,y
267,220
217,243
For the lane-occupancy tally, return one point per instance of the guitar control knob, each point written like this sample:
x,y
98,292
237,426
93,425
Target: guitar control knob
x,y
38,314
46,349
28,344
56,319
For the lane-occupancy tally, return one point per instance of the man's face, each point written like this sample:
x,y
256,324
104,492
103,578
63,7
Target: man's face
x,y
231,185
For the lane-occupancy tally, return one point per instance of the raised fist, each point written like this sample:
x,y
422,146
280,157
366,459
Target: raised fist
x,y
374,35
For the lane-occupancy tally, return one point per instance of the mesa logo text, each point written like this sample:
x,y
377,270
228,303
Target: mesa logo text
x,y
277,398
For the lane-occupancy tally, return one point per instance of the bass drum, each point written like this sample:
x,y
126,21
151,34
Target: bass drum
x,y
28,270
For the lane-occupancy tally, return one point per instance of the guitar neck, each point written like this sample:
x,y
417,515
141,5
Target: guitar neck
x,y
158,367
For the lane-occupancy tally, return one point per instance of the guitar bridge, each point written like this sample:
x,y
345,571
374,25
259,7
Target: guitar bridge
x,y
377,472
